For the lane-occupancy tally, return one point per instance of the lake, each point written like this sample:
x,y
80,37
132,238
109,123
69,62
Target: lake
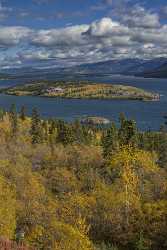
x,y
148,115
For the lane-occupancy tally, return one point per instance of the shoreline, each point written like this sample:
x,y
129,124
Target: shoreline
x,y
83,98
81,91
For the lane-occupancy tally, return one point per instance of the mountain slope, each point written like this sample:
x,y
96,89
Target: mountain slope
x,y
123,66
137,67
160,72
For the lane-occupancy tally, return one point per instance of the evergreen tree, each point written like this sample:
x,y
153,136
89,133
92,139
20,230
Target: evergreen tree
x,y
13,120
52,126
127,132
80,133
163,148
65,133
23,113
52,133
2,113
36,129
110,141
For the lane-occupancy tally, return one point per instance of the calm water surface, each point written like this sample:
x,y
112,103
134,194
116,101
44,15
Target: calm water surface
x,y
149,115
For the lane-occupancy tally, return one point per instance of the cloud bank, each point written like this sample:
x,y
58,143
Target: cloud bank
x,y
138,33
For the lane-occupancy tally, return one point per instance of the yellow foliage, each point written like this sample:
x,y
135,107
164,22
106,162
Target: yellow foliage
x,y
135,158
59,236
133,167
7,209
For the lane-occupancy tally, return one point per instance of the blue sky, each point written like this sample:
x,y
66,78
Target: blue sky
x,y
67,32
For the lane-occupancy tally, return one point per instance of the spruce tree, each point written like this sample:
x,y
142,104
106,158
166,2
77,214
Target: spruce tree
x,y
13,120
52,126
127,132
110,141
79,132
65,133
163,148
36,130
2,113
23,113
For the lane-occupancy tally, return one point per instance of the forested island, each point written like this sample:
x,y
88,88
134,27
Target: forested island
x,y
81,90
71,186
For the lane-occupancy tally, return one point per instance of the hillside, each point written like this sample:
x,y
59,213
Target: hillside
x,y
74,187
81,90
129,66
160,72
121,66
4,76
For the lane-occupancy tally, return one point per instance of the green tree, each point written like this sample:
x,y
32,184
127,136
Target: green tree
x,y
127,132
36,130
23,113
13,120
163,148
65,133
2,112
110,141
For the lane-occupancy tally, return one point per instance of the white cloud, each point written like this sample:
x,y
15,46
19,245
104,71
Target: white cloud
x,y
10,36
140,35
137,16
103,27
63,37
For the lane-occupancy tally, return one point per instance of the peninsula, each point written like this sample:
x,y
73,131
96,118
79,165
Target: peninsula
x,y
81,90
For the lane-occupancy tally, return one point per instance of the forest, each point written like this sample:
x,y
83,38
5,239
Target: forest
x,y
69,186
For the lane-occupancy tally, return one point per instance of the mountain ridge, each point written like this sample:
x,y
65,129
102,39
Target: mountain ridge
x,y
129,66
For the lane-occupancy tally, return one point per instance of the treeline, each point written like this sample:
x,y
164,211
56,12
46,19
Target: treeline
x,y
68,186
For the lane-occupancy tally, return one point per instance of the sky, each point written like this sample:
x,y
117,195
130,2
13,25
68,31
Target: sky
x,y
60,33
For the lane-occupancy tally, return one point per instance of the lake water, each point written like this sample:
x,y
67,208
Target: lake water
x,y
149,115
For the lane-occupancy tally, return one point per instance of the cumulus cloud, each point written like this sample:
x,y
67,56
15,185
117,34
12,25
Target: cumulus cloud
x,y
138,17
68,36
10,36
140,35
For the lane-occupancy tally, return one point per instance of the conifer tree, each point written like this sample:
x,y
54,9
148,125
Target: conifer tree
x,y
79,132
2,113
23,113
127,132
65,133
36,130
52,126
110,141
163,148
13,120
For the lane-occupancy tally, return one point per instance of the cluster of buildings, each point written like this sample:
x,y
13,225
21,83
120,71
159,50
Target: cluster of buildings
x,y
54,90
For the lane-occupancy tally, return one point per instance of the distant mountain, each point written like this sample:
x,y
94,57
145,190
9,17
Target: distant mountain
x,y
108,67
137,67
4,76
123,66
160,72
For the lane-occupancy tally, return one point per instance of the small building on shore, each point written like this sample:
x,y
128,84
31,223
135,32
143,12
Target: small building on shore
x,y
53,90
156,97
